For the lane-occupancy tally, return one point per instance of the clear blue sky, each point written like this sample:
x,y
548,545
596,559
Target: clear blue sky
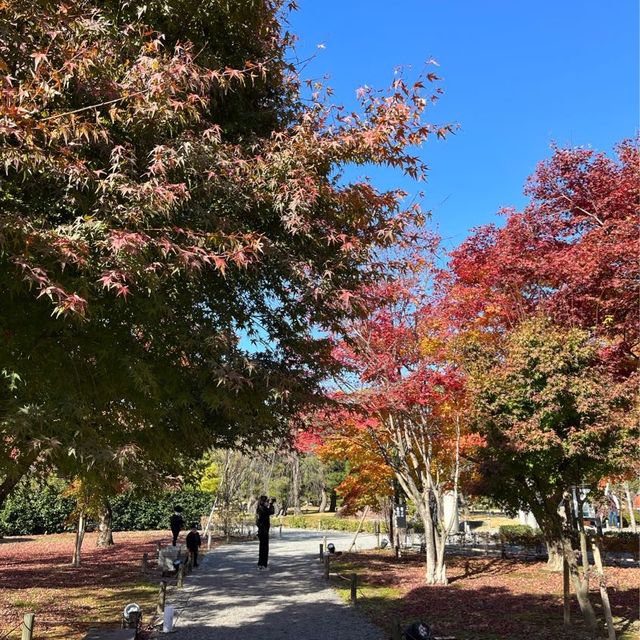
x,y
517,75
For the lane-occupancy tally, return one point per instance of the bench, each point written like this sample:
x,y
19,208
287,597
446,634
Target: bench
x,y
110,634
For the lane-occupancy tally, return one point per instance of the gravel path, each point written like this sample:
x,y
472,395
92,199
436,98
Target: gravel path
x,y
227,598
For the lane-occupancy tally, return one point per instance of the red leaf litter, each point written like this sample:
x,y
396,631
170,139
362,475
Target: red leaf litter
x,y
491,598
36,576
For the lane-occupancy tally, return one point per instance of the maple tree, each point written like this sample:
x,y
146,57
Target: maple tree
x,y
338,435
169,199
405,404
569,253
552,416
541,313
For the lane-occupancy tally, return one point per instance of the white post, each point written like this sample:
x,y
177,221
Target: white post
x,y
450,506
167,622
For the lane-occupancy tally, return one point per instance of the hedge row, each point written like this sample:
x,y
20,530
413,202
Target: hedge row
x,y
521,535
331,523
141,513
624,541
35,509
612,541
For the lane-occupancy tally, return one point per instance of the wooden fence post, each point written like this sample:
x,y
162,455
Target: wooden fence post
x,y
158,547
321,551
280,531
209,541
354,587
27,626
326,566
162,597
566,603
181,575
145,562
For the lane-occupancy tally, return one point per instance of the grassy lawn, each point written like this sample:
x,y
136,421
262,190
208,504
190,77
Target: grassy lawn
x,y
36,577
487,598
483,522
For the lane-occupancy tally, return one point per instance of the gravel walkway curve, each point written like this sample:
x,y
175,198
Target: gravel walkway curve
x,y
227,598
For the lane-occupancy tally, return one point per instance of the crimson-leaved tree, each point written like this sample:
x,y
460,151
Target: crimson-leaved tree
x,y
544,310
406,402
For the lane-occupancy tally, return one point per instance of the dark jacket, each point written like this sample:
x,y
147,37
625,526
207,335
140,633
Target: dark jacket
x,y
193,540
263,512
176,522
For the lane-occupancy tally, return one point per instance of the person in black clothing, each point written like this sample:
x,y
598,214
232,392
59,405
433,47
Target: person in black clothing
x,y
176,523
263,513
193,543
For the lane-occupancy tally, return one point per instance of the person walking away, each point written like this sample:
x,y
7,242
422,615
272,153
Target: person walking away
x,y
264,512
193,543
176,523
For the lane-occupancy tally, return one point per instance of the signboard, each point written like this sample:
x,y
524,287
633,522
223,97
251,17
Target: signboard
x,y
400,512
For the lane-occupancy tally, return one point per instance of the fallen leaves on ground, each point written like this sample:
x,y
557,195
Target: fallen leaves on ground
x,y
486,598
36,576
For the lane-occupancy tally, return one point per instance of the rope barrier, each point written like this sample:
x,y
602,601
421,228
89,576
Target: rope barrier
x,y
8,633
339,575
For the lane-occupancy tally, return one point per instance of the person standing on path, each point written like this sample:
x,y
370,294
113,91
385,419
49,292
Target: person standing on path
x,y
176,523
193,543
264,512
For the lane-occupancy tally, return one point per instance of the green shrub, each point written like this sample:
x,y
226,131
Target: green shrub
x,y
133,512
520,534
417,526
39,507
621,541
35,508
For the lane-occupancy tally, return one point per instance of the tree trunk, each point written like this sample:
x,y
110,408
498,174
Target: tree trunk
x,y
584,551
554,551
82,524
295,483
632,515
606,605
581,586
333,501
441,567
105,531
430,550
440,533
323,501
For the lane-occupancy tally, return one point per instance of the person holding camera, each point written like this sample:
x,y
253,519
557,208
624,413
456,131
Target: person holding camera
x,y
264,512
